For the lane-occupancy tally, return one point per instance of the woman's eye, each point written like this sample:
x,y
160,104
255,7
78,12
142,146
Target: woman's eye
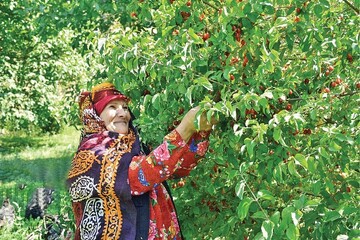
x,y
112,107
125,107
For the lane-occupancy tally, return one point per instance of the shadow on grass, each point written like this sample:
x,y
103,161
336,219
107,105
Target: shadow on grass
x,y
12,144
51,172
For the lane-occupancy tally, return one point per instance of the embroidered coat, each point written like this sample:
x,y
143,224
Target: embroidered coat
x,y
117,191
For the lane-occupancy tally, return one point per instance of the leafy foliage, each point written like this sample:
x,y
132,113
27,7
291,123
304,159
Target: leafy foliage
x,y
282,77
39,77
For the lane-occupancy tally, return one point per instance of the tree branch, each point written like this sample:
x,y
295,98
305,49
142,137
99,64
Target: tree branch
x,y
210,5
352,6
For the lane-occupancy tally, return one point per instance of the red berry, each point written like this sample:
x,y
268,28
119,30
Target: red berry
x,y
326,90
290,92
181,111
327,72
202,16
246,60
181,183
176,122
288,107
338,80
358,85
175,32
296,19
349,57
234,60
232,77
331,68
298,10
145,92
348,189
188,3
306,81
206,36
307,131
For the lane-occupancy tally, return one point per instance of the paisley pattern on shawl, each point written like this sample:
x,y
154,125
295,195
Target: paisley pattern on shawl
x,y
98,179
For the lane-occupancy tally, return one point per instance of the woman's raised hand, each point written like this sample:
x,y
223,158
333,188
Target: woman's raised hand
x,y
187,126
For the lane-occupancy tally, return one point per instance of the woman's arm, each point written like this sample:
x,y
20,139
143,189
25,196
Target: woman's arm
x,y
196,149
145,172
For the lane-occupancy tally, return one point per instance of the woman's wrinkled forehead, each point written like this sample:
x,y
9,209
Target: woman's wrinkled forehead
x,y
118,102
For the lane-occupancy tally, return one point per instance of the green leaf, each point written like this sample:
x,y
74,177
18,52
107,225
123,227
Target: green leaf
x,y
331,216
250,144
265,194
247,8
277,174
292,169
260,215
324,153
334,147
189,93
239,189
277,134
194,36
312,164
267,229
275,218
292,232
203,81
302,160
156,101
318,10
243,208
316,187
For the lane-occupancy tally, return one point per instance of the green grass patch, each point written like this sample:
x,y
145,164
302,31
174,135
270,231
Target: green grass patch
x,y
28,162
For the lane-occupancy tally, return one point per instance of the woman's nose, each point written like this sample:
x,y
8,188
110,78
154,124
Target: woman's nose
x,y
120,111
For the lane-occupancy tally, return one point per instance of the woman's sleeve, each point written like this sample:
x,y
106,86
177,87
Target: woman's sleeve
x,y
195,150
145,172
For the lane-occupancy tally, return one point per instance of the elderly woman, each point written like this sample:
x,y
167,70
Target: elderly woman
x,y
118,191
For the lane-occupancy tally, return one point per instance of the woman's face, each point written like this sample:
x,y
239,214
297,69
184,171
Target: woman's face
x,y
116,116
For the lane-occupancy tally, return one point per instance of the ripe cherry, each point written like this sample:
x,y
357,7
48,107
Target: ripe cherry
x,y
246,60
175,32
326,90
288,107
206,36
338,80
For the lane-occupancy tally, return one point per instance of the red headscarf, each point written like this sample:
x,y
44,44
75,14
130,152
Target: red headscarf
x,y
104,93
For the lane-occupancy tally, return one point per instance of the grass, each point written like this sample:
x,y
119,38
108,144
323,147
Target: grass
x,y
28,162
